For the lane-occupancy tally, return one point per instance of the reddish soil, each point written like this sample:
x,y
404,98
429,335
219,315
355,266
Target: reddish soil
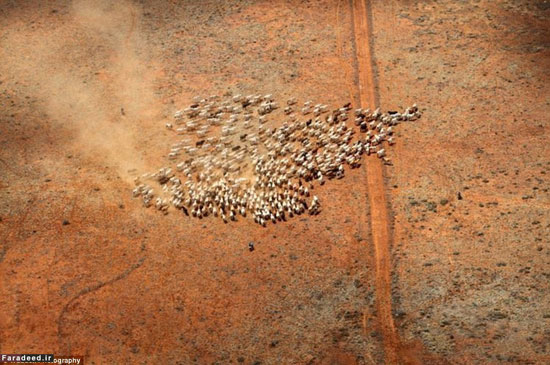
x,y
396,269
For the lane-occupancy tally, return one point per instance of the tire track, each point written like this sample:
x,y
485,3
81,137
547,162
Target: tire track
x,y
362,25
88,290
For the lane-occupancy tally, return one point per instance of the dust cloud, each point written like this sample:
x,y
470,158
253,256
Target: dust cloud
x,y
86,71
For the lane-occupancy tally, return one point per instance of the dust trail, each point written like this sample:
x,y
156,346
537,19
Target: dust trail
x,y
89,78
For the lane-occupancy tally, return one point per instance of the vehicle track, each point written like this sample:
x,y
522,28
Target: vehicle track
x,y
362,23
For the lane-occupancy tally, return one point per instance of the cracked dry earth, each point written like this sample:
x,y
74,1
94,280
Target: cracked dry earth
x,y
85,90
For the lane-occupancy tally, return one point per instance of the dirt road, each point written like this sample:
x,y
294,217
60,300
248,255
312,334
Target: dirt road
x,y
362,20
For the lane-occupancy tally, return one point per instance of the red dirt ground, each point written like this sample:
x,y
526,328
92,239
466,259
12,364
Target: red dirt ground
x,y
395,269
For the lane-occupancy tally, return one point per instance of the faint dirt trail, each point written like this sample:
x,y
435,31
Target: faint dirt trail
x,y
377,198
345,65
